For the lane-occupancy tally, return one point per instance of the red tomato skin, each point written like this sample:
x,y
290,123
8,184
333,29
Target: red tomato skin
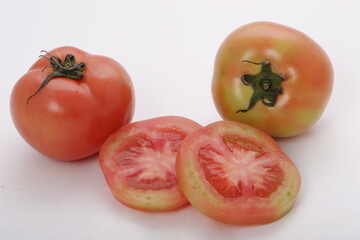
x,y
146,200
306,89
238,211
70,119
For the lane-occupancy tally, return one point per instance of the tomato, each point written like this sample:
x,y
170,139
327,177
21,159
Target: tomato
x,y
272,77
138,162
70,101
236,174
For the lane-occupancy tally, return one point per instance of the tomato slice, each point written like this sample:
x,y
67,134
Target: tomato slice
x,y
138,162
237,174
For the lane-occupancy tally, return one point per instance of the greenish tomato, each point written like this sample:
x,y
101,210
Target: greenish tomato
x,y
272,77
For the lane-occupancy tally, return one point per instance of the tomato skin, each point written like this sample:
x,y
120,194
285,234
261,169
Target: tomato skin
x,y
70,119
118,170
305,91
234,210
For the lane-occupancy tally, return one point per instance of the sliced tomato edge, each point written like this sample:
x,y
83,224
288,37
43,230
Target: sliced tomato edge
x,y
147,200
204,198
197,190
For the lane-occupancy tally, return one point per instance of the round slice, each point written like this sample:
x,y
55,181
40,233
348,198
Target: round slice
x,y
236,174
138,162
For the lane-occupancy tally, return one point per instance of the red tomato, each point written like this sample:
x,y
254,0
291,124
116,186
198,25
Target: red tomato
x,y
138,162
236,174
88,98
272,77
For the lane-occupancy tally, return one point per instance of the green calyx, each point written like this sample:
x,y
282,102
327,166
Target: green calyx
x,y
67,68
266,85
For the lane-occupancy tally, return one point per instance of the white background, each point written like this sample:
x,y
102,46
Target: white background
x,y
168,48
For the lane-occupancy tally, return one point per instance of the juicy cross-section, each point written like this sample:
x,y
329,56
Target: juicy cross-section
x,y
149,162
243,170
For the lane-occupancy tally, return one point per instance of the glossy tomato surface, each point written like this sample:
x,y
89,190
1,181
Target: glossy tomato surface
x,y
69,119
237,174
138,162
272,77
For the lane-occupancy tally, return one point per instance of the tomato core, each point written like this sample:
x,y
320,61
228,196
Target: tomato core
x,y
144,160
240,169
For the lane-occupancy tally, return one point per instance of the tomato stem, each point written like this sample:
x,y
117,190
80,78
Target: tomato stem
x,y
67,68
266,85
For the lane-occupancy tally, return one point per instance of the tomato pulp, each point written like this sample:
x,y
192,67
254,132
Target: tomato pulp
x,y
87,97
138,162
272,77
237,174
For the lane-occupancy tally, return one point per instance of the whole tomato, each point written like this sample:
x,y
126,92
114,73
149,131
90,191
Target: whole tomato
x,y
272,77
70,101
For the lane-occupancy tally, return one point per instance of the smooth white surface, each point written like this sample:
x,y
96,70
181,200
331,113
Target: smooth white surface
x,y
168,48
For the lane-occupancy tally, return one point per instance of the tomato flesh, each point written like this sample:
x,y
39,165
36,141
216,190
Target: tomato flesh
x,y
138,162
144,161
236,174
243,173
